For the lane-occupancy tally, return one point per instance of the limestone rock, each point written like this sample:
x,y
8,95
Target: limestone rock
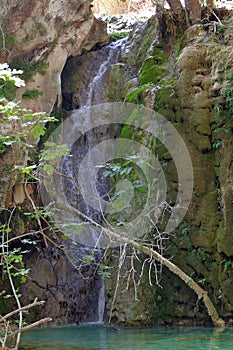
x,y
50,31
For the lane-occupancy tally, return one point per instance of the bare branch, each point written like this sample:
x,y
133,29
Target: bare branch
x,y
119,237
30,326
23,308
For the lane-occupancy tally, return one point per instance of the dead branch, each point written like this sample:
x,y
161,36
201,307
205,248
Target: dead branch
x,y
30,326
113,234
23,308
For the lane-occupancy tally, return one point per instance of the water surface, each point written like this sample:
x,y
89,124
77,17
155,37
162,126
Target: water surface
x,y
92,337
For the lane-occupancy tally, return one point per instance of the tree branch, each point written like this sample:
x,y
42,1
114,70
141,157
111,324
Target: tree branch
x,y
201,293
23,308
30,326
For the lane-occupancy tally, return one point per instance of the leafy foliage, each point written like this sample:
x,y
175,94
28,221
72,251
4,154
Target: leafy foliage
x,y
18,127
128,189
32,94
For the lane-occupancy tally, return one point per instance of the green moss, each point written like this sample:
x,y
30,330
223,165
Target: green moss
x,y
129,131
32,94
118,35
116,79
38,27
154,67
136,96
151,72
165,100
65,25
87,16
148,34
168,81
178,45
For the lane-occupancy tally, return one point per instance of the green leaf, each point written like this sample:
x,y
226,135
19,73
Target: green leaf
x,y
48,168
37,131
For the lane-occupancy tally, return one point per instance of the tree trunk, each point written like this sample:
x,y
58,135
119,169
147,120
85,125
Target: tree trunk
x,y
194,10
175,5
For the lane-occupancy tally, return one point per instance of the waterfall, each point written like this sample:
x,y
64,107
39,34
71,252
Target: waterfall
x,y
93,90
101,302
93,96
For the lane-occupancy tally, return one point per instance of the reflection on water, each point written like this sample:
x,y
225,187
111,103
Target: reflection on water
x,y
100,338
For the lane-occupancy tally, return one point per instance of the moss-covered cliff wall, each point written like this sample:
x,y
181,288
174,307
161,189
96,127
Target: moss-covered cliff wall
x,y
188,79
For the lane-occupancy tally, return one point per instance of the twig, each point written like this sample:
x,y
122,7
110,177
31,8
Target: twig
x,y
30,326
11,280
35,303
3,40
218,19
122,255
34,207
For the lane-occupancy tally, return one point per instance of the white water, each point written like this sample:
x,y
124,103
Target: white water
x,y
96,87
101,302
96,93
94,97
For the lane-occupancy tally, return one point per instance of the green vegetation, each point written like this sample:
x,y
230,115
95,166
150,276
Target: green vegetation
x,y
128,188
227,264
223,120
29,68
18,126
65,25
87,16
153,69
8,42
136,95
118,35
38,27
32,94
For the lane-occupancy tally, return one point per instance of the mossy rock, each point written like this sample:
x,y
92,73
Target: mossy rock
x,y
136,95
116,79
224,240
165,98
151,71
209,218
130,86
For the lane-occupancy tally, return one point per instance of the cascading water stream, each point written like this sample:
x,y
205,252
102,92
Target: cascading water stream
x,y
94,96
95,92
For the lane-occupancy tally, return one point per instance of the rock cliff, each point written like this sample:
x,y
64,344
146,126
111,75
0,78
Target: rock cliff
x,y
38,37
188,79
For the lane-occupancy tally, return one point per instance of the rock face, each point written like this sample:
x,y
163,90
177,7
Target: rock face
x,y
87,79
40,36
190,83
71,294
